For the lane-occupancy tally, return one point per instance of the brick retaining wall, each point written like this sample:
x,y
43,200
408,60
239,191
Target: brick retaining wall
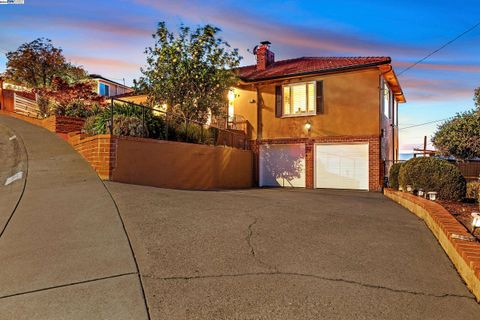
x,y
465,255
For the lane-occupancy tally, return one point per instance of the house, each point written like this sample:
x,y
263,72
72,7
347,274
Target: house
x,y
319,122
108,88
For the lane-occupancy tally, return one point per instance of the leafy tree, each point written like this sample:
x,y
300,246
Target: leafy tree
x,y
191,72
460,136
37,63
77,99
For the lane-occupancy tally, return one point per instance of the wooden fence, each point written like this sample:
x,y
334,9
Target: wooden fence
x,y
470,169
25,106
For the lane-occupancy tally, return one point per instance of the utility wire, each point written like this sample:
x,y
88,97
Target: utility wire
x,y
435,51
424,124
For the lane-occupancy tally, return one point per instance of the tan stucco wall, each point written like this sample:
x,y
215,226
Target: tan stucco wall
x,y
351,107
245,104
179,165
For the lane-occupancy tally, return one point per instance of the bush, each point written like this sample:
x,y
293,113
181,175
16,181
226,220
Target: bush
x,y
473,190
393,177
128,126
433,174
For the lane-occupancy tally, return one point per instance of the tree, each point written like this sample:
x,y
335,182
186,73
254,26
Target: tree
x,y
77,100
191,72
37,63
460,136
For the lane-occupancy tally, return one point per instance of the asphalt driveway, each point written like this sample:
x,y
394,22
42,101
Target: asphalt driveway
x,y
287,254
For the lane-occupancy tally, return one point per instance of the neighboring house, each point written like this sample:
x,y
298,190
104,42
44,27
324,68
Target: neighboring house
x,y
319,122
108,88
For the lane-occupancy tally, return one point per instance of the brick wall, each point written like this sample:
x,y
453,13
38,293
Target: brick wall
x,y
65,124
100,151
375,163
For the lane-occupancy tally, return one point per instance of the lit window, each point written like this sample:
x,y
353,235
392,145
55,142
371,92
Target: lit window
x,y
104,90
299,99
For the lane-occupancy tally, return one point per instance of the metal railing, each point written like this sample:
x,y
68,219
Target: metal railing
x,y
157,123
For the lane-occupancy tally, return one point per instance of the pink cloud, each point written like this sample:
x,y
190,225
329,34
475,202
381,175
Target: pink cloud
x,y
320,38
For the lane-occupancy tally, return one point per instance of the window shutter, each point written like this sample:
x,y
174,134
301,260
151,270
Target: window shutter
x,y
278,101
319,97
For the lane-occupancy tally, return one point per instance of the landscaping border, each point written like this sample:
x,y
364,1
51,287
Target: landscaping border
x,y
465,255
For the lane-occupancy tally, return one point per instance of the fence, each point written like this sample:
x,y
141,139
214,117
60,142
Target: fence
x,y
25,106
158,123
470,169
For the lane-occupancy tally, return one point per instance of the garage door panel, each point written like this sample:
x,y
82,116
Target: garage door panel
x,y
282,165
341,166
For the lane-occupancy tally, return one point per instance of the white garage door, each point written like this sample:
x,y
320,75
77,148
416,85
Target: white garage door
x,y
341,166
282,165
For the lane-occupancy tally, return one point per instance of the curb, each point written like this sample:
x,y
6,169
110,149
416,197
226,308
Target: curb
x,y
465,255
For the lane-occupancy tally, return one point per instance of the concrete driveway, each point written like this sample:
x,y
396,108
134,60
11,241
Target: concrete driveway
x,y
287,254
66,252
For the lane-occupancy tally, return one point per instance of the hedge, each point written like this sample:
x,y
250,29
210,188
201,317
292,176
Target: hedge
x,y
433,174
393,176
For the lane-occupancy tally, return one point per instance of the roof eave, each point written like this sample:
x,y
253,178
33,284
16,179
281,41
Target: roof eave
x,y
318,72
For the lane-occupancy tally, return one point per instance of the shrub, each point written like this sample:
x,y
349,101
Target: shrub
x,y
473,190
433,174
393,177
128,126
90,126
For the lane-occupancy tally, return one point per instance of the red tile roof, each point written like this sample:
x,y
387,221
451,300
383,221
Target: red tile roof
x,y
308,65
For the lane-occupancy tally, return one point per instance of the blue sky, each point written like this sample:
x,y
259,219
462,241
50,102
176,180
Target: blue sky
x,y
109,37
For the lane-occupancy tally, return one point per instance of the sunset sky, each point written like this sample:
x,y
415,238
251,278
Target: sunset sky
x,y
109,37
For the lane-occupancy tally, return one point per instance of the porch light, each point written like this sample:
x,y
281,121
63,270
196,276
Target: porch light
x,y
231,95
308,126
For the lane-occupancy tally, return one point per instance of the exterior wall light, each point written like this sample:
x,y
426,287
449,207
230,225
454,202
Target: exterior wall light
x,y
308,126
231,95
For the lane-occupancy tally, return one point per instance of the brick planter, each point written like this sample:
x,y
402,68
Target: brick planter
x,y
465,255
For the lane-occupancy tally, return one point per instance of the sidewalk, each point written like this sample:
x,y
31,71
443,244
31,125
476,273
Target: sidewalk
x,y
64,253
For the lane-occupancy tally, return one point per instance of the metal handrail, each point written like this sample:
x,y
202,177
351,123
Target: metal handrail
x,y
228,134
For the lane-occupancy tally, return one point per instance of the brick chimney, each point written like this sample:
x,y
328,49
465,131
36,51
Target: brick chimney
x,y
265,57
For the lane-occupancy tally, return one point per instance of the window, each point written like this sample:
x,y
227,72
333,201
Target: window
x,y
387,97
104,90
299,99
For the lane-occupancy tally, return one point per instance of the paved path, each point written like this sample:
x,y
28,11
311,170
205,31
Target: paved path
x,y
287,254
64,253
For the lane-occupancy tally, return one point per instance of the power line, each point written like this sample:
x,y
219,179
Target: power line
x,y
435,51
424,124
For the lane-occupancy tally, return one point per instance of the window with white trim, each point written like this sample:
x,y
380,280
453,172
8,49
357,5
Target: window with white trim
x,y
104,89
299,99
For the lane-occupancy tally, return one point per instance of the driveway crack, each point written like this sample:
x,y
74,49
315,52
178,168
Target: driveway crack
x,y
313,276
252,248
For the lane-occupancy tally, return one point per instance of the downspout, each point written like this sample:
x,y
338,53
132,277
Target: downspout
x,y
259,114
259,136
380,115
